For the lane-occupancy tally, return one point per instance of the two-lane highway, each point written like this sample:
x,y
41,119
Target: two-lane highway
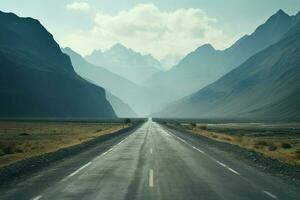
x,y
154,163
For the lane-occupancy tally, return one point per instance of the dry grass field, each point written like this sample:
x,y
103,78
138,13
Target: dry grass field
x,y
19,140
277,141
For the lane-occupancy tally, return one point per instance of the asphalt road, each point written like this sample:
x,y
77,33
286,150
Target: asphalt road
x,y
151,163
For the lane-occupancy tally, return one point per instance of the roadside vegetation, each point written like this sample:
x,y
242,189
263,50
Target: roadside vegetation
x,y
282,144
19,140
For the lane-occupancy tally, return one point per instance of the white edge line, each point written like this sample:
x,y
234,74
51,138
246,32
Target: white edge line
x,y
222,164
201,151
228,168
232,170
111,148
270,194
121,141
91,162
81,168
37,197
103,154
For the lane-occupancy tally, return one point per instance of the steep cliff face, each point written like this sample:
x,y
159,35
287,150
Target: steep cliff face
x,y
38,81
111,82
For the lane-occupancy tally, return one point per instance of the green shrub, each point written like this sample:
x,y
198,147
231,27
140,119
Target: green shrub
x,y
297,152
2,152
127,120
203,127
262,143
272,147
8,150
193,124
24,134
286,145
19,151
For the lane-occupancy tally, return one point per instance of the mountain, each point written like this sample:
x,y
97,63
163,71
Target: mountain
x,y
266,86
170,60
206,64
38,81
139,99
110,81
122,109
126,63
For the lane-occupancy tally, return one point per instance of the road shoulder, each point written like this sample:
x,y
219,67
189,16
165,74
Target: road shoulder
x,y
288,173
31,165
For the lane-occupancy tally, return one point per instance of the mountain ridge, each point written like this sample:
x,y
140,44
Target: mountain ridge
x,y
125,62
85,70
38,81
239,94
133,94
198,70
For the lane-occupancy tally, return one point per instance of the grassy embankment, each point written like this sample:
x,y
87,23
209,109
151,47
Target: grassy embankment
x,y
276,142
19,140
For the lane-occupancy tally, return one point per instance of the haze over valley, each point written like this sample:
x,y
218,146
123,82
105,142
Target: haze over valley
x,y
139,85
151,99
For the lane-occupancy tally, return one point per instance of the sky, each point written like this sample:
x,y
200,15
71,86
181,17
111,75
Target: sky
x,y
166,29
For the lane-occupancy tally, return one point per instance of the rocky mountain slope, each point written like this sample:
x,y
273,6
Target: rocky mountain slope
x,y
38,81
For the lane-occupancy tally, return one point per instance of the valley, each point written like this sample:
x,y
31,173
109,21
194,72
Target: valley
x,y
149,100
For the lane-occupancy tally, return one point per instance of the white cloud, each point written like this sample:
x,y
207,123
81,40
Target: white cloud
x,y
78,6
148,29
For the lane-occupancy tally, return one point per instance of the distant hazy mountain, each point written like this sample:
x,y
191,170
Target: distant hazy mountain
x,y
106,79
38,81
171,60
139,99
266,86
126,63
122,109
205,65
